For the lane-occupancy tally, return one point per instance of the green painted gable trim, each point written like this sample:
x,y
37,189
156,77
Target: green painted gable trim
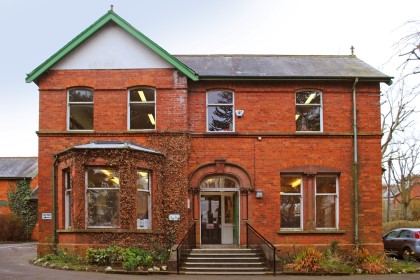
x,y
109,16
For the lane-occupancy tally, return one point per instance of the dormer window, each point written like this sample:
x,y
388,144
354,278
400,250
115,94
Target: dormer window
x,y
142,109
80,109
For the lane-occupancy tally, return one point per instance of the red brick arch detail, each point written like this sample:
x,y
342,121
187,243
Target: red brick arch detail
x,y
221,168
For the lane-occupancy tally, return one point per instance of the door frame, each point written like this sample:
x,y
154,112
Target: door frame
x,y
223,193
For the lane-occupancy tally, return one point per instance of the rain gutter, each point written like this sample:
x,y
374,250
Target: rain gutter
x,y
54,204
355,169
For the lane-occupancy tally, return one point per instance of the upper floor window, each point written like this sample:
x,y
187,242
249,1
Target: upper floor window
x,y
142,103
102,197
143,200
80,109
220,110
308,110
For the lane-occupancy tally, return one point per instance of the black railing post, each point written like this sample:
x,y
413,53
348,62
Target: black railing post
x,y
249,230
189,241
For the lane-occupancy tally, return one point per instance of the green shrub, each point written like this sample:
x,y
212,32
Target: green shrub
x,y
12,228
129,258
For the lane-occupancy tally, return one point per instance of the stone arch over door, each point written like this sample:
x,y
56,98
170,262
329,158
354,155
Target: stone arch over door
x,y
220,167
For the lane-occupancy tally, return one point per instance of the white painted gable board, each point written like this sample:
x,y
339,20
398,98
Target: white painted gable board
x,y
111,48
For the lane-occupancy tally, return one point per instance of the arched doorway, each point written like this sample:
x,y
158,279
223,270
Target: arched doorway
x,y
222,185
219,210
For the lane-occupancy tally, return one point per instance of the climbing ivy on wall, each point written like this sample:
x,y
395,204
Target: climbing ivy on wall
x,y
170,190
21,205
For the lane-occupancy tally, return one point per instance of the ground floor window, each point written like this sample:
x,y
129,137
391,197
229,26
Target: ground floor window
x,y
308,202
102,197
143,200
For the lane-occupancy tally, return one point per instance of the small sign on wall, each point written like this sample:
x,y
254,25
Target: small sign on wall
x,y
46,216
174,217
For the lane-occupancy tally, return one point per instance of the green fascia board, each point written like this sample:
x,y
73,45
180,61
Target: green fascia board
x,y
109,16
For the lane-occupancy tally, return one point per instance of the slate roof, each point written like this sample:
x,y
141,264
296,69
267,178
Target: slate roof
x,y
197,67
282,67
18,167
114,145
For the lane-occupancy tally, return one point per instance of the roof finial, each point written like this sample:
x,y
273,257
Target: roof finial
x,y
112,8
352,48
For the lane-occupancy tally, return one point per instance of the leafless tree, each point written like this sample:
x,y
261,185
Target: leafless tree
x,y
399,119
403,174
408,48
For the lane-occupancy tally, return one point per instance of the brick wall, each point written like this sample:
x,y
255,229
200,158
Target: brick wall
x,y
269,113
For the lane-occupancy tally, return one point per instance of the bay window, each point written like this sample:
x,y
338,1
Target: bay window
x,y
102,197
143,200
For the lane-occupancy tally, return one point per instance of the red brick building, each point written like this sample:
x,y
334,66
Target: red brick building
x,y
12,170
136,145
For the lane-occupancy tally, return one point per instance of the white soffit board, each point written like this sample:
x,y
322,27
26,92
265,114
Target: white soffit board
x,y
111,47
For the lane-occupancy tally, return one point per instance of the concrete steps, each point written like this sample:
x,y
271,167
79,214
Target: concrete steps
x,y
224,261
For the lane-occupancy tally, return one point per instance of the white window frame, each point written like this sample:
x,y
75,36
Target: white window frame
x,y
321,110
336,200
79,103
67,199
220,104
149,202
86,197
300,194
140,102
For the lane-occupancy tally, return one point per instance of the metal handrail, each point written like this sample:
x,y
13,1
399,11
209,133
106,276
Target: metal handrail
x,y
188,241
271,246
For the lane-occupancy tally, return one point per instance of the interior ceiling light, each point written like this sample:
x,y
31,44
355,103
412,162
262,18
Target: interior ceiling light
x,y
142,96
296,183
310,98
151,118
297,117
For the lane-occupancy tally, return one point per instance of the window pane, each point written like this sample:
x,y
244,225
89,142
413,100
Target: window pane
x,y
142,209
290,184
290,211
308,118
142,116
220,97
325,211
220,118
326,184
103,178
80,95
142,95
218,182
142,180
81,116
103,208
308,97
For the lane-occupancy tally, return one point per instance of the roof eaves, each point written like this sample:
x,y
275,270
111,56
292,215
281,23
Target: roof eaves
x,y
109,16
387,80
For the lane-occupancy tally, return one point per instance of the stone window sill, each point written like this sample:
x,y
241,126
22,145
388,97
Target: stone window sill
x,y
105,230
319,231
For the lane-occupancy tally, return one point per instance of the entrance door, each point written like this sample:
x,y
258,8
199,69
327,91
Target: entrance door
x,y
211,230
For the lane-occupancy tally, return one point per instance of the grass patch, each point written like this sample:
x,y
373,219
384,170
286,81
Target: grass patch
x,y
388,226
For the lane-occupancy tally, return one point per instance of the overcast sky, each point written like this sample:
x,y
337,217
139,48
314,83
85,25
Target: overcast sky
x,y
31,31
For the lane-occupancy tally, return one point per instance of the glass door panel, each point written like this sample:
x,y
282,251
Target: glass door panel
x,y
211,219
